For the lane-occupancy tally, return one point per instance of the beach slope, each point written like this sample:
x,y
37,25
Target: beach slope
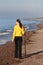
x,y
34,50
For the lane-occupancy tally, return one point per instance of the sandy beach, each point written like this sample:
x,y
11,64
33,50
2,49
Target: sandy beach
x,y
34,50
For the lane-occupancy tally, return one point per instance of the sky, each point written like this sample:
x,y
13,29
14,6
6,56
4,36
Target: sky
x,y
21,8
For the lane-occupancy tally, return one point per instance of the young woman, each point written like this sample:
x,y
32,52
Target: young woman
x,y
18,32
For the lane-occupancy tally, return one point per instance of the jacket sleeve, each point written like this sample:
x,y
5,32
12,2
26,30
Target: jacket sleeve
x,y
23,30
13,35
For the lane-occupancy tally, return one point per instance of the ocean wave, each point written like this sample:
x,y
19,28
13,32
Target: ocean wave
x,y
8,30
3,42
4,33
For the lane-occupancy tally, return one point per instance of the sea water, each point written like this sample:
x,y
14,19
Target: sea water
x,y
6,28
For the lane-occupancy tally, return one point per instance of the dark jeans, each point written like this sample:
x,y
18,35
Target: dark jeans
x,y
18,47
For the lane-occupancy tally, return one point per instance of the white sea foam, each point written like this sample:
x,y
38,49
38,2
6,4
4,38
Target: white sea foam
x,y
3,42
9,30
4,33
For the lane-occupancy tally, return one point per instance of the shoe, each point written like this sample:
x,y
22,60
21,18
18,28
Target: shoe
x,y
16,58
21,58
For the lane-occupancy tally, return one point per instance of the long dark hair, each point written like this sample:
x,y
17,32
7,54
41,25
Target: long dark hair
x,y
19,21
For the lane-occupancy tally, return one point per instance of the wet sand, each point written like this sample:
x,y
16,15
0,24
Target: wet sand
x,y
34,50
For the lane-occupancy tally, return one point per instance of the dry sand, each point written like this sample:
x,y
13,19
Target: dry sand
x,y
34,50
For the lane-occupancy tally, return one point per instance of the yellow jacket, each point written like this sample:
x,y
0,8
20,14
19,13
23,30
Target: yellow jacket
x,y
17,31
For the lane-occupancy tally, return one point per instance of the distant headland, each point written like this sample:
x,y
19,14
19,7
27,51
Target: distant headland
x,y
32,18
